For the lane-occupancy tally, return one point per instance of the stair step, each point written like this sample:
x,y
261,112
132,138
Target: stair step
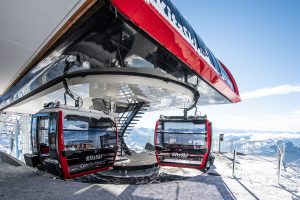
x,y
125,132
122,119
122,124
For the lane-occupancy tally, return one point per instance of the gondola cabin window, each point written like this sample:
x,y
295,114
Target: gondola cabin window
x,y
183,134
43,131
87,133
89,143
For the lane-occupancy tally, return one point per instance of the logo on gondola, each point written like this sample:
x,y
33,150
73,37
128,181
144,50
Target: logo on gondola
x,y
93,157
180,155
92,164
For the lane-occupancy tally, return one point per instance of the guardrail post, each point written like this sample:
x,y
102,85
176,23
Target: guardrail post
x,y
279,166
279,159
221,138
233,163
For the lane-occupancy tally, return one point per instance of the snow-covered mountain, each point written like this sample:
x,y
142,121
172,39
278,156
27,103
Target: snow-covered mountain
x,y
265,143
138,138
254,142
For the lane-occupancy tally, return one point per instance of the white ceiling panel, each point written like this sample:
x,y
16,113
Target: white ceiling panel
x,y
25,26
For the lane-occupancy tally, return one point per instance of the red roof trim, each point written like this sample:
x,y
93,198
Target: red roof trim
x,y
153,23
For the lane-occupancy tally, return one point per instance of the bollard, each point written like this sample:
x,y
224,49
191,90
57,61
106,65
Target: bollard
x,y
233,163
279,166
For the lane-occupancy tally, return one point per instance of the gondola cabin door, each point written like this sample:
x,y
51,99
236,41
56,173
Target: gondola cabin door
x,y
44,143
183,142
69,142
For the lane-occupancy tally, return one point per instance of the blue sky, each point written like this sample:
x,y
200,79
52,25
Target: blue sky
x,y
259,41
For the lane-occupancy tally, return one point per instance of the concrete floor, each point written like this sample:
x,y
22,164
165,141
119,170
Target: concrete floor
x,y
27,183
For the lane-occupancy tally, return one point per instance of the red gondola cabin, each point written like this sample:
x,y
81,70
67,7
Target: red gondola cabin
x,y
71,142
181,142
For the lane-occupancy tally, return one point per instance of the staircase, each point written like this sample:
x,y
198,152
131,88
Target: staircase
x,y
128,119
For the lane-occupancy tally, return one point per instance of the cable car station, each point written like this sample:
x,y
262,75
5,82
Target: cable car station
x,y
109,65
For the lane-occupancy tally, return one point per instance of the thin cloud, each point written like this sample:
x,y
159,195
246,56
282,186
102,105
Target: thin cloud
x,y
296,112
278,90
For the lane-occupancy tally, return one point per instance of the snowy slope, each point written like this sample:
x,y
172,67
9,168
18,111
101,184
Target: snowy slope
x,y
262,143
256,178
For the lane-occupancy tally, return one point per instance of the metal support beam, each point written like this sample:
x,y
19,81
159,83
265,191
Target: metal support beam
x,y
17,133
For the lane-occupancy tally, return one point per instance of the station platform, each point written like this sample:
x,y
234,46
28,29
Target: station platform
x,y
137,168
23,182
143,160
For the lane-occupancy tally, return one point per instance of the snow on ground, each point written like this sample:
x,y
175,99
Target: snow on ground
x,y
186,172
256,177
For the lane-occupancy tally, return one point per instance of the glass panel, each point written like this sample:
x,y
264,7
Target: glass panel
x,y
44,123
43,136
83,133
33,134
187,127
52,137
89,142
184,139
43,131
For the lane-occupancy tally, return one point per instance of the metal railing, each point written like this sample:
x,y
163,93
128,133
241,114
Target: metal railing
x,y
245,147
16,141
